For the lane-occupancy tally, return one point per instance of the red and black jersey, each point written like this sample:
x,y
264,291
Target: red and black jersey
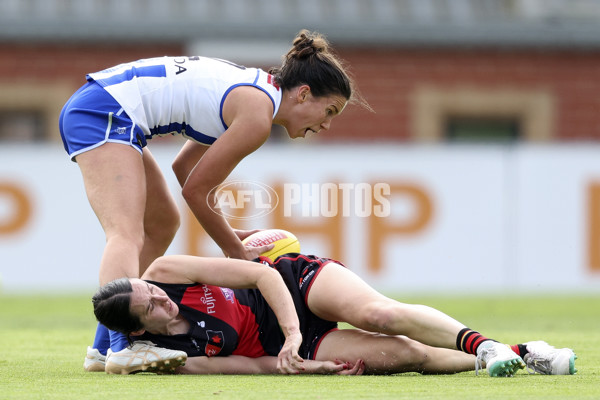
x,y
239,321
222,322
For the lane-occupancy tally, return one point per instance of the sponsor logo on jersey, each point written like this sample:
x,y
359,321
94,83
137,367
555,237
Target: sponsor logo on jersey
x,y
208,299
228,294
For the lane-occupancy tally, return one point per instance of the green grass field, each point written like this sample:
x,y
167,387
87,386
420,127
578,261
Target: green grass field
x,y
43,342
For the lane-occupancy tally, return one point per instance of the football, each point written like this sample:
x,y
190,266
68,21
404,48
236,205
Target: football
x,y
285,242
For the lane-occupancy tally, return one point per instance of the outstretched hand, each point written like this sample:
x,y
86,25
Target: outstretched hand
x,y
348,369
337,367
288,360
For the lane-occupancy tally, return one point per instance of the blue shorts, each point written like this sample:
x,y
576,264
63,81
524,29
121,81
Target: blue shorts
x,y
92,117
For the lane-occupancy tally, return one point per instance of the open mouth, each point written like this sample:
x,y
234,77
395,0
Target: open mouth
x,y
310,132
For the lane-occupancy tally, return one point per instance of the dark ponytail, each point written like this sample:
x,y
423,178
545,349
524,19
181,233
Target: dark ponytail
x,y
111,307
311,62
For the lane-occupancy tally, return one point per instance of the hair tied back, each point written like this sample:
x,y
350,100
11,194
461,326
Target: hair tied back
x,y
308,44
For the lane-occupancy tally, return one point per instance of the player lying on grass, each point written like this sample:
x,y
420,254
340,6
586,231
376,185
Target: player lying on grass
x,y
236,317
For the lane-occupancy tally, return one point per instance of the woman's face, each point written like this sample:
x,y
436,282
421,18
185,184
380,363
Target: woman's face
x,y
154,308
311,114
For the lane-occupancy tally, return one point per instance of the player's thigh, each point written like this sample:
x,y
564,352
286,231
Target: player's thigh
x,y
115,184
338,294
161,213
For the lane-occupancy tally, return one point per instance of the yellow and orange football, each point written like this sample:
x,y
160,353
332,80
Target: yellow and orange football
x,y
285,242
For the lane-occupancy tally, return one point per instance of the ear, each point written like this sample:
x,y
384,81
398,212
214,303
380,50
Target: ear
x,y
138,333
303,93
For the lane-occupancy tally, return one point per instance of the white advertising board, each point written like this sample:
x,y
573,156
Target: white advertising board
x,y
469,219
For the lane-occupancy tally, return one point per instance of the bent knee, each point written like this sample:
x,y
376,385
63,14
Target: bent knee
x,y
382,317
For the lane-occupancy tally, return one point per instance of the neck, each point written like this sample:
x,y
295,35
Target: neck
x,y
177,326
281,118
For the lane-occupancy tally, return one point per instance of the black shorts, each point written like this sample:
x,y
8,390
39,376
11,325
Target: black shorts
x,y
298,272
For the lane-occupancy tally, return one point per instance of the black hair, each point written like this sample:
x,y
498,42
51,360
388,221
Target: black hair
x,y
111,307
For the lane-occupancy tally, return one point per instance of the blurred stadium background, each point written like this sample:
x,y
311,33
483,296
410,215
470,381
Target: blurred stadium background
x,y
486,129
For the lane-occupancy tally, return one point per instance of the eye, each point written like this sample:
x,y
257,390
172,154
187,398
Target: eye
x,y
151,302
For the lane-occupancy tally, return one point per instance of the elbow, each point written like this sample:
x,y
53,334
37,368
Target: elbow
x,y
187,192
180,171
160,268
193,194
266,277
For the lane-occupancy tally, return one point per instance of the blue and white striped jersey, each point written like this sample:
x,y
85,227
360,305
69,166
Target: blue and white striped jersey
x,y
169,95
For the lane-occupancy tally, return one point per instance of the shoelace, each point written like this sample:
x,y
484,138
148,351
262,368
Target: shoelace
x,y
477,366
479,360
142,342
535,365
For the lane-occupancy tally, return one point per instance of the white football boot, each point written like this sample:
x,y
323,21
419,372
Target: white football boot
x,y
547,360
94,361
499,359
144,356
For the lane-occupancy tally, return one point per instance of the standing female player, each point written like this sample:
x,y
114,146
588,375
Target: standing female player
x,y
225,110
